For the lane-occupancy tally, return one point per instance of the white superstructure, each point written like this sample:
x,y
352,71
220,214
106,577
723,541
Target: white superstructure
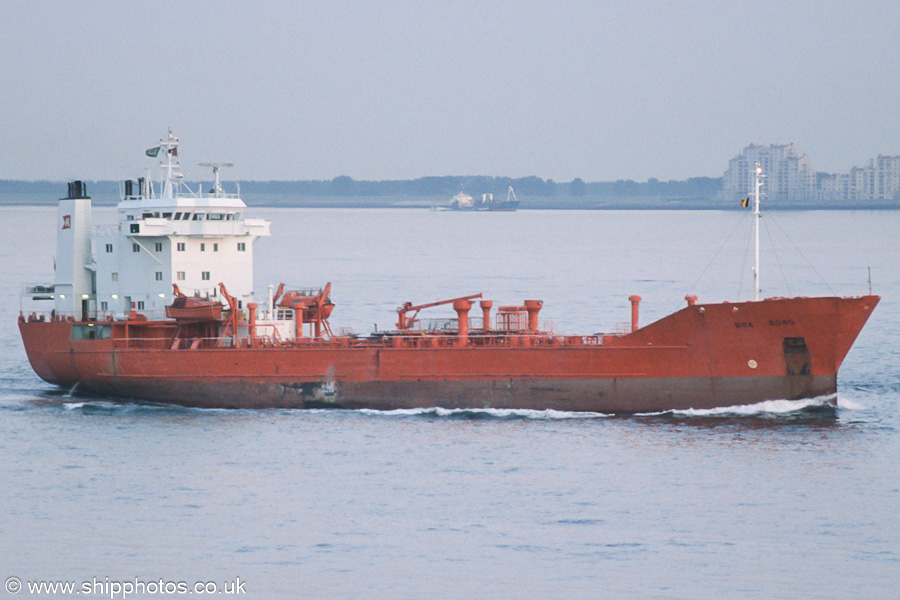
x,y
194,239
462,200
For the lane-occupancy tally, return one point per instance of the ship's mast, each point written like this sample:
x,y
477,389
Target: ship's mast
x,y
758,176
170,146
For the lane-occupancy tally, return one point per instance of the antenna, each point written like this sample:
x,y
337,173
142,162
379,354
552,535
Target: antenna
x,y
217,187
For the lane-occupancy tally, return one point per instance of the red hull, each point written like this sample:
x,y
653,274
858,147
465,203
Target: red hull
x,y
702,356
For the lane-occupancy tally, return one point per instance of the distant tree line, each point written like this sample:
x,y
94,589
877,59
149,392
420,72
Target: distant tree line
x,y
55,189
695,187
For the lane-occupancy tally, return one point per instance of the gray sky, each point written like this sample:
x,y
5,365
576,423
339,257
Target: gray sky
x,y
397,90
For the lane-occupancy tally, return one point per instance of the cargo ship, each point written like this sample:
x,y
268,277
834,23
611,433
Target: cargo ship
x,y
463,201
160,307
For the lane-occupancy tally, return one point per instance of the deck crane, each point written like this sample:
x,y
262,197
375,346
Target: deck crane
x,y
405,322
309,307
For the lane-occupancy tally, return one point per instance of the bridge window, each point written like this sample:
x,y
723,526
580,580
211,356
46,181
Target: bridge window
x,y
109,248
135,247
242,246
205,276
159,275
180,246
158,246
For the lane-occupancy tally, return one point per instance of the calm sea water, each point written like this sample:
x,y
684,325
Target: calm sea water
x,y
780,500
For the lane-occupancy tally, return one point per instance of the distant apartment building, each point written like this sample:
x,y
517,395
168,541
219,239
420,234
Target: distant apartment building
x,y
788,174
834,187
878,181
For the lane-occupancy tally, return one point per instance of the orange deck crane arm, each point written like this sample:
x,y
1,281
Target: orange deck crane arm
x,y
232,321
278,294
405,322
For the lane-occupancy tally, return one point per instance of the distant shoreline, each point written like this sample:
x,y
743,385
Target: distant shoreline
x,y
428,202
534,193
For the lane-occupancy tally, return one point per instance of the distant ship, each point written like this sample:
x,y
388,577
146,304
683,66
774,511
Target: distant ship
x,y
463,201
160,307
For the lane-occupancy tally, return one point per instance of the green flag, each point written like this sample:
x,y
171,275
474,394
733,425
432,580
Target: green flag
x,y
153,151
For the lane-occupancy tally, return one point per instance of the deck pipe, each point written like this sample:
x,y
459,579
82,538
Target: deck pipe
x,y
251,308
486,314
635,301
533,307
462,313
691,300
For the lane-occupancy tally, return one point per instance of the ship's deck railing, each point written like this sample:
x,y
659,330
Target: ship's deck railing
x,y
433,325
95,316
475,339
304,290
451,325
622,328
158,342
143,337
478,338
190,194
